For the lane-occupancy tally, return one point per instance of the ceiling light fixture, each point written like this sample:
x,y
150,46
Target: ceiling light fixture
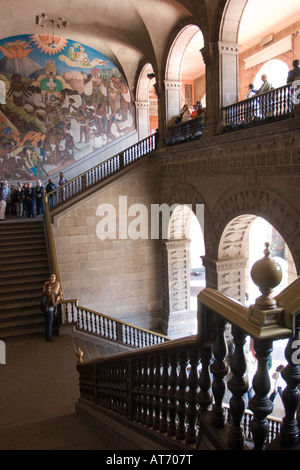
x,y
52,44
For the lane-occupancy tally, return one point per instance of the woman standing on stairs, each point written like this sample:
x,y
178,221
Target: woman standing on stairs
x,y
52,290
49,314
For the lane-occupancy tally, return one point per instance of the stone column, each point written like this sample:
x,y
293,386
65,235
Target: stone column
x,y
172,92
228,57
177,318
221,61
227,276
142,119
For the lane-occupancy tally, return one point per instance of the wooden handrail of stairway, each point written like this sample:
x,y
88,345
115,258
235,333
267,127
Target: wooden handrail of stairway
x,y
177,388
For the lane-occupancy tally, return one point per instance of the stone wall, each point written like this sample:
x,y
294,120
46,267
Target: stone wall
x,y
120,278
237,176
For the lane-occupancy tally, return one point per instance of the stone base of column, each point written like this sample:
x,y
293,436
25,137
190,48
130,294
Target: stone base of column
x,y
179,323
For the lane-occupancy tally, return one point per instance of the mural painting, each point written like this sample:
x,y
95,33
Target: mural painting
x,y
59,101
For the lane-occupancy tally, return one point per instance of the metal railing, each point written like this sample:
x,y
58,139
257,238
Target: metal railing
x,y
276,103
187,131
98,173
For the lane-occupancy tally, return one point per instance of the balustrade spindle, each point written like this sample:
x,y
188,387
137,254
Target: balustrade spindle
x,y
150,399
172,394
291,396
238,387
260,404
137,404
144,390
192,384
181,395
219,370
156,397
163,426
205,398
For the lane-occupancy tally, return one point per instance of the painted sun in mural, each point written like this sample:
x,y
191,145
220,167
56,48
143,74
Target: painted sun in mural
x,y
49,44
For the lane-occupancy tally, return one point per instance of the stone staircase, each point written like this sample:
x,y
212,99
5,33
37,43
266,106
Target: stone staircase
x,y
24,267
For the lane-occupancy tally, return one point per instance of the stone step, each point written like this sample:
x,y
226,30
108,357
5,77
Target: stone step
x,y
19,295
24,268
23,282
13,271
68,432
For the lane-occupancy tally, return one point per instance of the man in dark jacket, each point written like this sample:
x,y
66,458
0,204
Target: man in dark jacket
x,y
294,74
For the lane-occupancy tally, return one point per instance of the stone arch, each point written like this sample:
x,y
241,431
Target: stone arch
x,y
173,68
184,193
225,34
142,101
230,220
230,21
178,319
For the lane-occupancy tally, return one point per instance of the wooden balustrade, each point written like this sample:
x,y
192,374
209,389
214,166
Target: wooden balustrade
x,y
177,388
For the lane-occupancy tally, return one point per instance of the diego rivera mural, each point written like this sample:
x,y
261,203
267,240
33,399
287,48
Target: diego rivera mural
x,y
59,101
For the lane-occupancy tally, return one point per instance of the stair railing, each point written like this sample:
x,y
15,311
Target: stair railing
x,y
85,181
177,389
104,326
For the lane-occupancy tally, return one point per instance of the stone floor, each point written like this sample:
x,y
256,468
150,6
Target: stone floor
x,y
38,392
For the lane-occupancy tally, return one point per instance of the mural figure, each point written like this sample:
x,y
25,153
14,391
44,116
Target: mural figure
x,y
59,101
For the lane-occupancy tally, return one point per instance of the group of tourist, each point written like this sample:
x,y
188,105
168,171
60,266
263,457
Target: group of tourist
x,y
294,74
190,112
25,199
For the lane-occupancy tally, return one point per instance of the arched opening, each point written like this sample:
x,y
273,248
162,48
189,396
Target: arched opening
x,y
185,72
273,37
182,251
146,103
276,71
241,245
197,250
260,232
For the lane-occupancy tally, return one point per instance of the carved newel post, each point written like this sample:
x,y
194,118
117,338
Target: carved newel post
x,y
266,274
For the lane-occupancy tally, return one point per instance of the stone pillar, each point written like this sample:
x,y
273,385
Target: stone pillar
x,y
172,91
221,64
210,56
177,318
227,276
228,57
142,119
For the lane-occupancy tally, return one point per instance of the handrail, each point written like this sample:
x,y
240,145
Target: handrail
x,y
100,172
236,313
50,242
104,326
278,102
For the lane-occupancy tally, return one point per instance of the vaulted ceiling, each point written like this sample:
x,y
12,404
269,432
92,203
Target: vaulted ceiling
x,y
132,32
